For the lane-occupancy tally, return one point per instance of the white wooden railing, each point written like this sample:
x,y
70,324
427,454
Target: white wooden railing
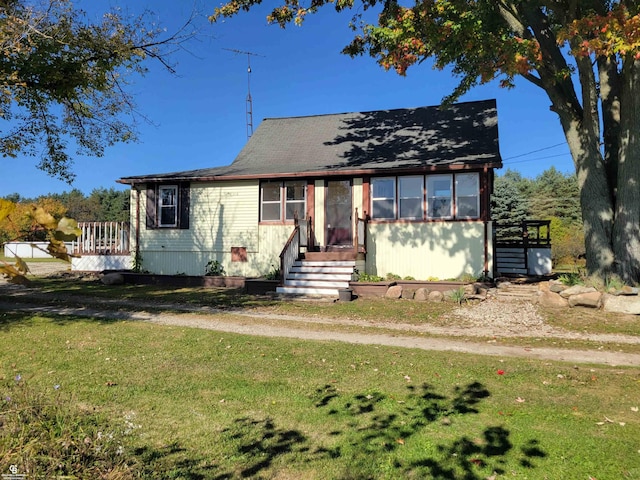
x,y
102,238
290,253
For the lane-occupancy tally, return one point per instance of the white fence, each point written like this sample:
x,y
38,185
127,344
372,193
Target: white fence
x,y
29,249
102,238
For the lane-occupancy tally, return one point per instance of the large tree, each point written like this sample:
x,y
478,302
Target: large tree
x,y
63,79
585,54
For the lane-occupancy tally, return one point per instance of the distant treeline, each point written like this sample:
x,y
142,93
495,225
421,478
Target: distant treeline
x,y
102,205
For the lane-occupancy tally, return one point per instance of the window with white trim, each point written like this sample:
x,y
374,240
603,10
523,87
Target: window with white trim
x,y
439,196
383,198
467,195
411,197
404,198
283,200
168,206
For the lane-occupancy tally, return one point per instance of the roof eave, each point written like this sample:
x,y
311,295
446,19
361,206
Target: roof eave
x,y
311,174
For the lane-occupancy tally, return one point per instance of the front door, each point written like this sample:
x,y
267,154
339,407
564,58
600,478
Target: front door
x,y
338,205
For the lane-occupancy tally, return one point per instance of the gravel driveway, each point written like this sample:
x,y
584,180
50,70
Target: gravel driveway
x,y
492,318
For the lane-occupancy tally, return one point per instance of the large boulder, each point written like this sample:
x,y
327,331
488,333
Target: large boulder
x,y
577,290
436,296
421,295
622,304
587,299
547,298
394,291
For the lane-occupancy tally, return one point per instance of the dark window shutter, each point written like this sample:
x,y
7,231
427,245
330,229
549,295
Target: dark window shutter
x,y
185,197
151,206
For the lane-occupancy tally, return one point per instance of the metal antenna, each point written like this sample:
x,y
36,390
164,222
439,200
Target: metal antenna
x,y
249,106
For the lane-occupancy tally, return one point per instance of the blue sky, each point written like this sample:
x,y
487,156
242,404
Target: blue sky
x,y
199,115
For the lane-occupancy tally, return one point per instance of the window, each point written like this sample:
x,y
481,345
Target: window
x,y
403,198
168,206
270,204
295,200
383,198
439,196
278,199
411,197
467,195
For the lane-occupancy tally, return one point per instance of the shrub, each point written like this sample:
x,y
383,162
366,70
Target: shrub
x,y
214,269
393,276
458,295
274,273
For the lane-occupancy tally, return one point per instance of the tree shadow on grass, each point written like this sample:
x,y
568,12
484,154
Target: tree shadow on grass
x,y
374,425
369,433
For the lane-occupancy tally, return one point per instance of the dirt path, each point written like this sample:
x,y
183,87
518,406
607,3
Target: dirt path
x,y
489,319
373,333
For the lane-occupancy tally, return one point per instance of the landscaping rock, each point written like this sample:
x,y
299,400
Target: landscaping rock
x,y
577,290
547,298
421,295
556,286
627,290
112,279
408,293
436,296
470,289
394,291
622,304
587,299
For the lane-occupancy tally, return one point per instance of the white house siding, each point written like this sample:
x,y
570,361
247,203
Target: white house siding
x,y
357,197
437,250
272,240
222,215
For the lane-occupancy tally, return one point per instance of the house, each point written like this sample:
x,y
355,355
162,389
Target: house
x,y
402,191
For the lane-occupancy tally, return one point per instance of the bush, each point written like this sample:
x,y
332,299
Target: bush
x,y
214,269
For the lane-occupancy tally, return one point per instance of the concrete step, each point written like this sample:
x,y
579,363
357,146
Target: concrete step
x,y
322,270
307,291
314,263
316,283
346,277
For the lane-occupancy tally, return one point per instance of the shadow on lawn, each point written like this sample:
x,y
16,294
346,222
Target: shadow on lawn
x,y
371,432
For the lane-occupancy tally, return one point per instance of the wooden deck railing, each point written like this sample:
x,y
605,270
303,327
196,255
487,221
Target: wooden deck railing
x,y
102,238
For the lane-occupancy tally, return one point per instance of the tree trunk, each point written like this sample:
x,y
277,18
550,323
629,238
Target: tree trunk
x,y
595,195
626,226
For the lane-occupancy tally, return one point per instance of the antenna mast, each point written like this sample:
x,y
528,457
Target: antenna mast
x,y
249,101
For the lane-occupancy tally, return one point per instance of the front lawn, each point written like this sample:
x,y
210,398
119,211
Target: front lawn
x,y
192,404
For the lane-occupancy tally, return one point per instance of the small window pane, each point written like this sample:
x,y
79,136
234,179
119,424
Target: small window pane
x,y
411,208
439,207
271,211
410,187
295,191
295,210
271,192
467,184
168,216
383,209
383,188
468,207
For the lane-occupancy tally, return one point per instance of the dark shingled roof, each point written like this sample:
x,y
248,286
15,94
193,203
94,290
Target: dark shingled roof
x,y
427,138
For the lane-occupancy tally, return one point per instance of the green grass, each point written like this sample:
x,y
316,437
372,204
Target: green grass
x,y
210,405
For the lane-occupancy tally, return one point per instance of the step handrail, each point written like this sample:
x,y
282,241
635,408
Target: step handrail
x,y
290,253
